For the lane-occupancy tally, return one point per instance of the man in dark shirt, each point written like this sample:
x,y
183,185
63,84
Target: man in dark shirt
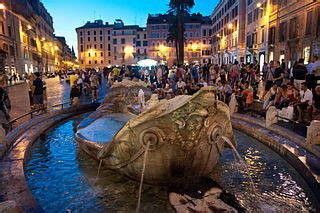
x,y
299,74
278,74
37,91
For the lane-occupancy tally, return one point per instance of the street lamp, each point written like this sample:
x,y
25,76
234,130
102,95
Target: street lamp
x,y
230,25
2,7
259,5
29,27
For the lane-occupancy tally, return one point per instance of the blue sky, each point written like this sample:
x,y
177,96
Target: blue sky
x,y
70,14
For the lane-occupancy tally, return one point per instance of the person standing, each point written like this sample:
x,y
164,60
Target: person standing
x,y
3,107
278,74
94,84
37,92
299,74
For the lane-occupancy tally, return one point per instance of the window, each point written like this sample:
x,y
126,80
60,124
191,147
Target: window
x,y
80,33
101,46
145,43
89,62
95,46
249,18
109,54
123,41
95,62
100,32
89,54
101,54
94,38
100,38
114,41
204,41
115,49
81,40
138,51
109,38
262,34
88,38
309,23
138,43
88,33
81,48
293,28
145,36
94,33
109,47
101,61
282,31
108,32
272,35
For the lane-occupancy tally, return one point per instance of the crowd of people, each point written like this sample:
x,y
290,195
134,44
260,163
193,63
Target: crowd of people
x,y
295,88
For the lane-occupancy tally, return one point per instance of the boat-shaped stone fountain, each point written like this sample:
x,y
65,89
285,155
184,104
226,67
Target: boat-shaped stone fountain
x,y
185,136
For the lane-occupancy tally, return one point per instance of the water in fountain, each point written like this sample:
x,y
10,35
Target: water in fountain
x,y
142,174
243,164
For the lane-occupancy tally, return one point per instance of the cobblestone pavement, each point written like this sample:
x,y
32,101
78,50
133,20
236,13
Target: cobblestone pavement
x,y
57,92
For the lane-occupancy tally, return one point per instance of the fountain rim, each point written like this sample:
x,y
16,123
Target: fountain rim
x,y
25,200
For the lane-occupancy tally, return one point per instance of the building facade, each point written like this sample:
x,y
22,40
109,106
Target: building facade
x,y
228,38
163,49
27,39
257,25
294,30
102,44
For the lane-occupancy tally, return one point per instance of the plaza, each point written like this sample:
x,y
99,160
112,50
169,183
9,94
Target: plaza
x,y
190,106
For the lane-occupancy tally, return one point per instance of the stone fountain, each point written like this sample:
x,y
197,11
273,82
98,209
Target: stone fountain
x,y
184,134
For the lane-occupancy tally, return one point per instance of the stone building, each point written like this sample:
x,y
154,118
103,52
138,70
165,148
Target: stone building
x,y
163,50
26,37
257,24
228,38
103,44
294,30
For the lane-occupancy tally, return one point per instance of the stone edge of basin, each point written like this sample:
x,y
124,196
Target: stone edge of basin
x,y
13,185
271,137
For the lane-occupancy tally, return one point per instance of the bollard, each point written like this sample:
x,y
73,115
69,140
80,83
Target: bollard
x,y
233,105
313,134
271,116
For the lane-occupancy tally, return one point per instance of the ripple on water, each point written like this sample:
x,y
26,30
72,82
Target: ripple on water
x,y
61,176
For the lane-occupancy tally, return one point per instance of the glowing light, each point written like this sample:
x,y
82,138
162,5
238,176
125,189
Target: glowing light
x,y
218,35
230,25
56,48
162,48
50,44
128,50
194,46
259,5
43,39
2,7
29,27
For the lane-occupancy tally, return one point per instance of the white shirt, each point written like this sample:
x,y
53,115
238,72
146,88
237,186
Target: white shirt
x,y
306,96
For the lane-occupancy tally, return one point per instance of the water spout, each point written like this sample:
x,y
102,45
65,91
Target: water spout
x,y
142,175
99,170
242,162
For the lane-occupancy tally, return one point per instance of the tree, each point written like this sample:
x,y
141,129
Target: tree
x,y
180,8
173,32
